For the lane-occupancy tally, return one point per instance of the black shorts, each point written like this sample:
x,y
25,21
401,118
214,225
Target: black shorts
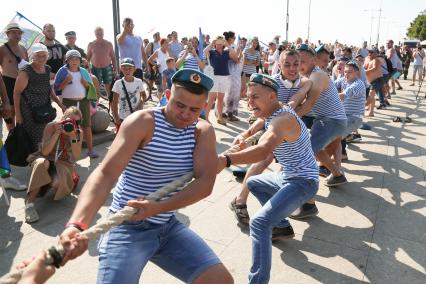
x,y
10,85
367,92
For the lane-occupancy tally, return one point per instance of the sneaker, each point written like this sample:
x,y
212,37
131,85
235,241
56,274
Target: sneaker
x,y
365,126
323,171
387,103
282,233
335,181
399,88
92,154
307,210
12,183
231,117
381,106
31,214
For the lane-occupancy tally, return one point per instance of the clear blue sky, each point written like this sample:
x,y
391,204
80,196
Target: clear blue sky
x,y
345,21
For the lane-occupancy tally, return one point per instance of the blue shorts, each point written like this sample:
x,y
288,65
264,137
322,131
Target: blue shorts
x,y
125,250
324,131
354,122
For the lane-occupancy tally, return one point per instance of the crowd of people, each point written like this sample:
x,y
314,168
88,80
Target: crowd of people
x,y
310,100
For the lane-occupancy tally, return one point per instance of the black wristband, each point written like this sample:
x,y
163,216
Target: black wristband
x,y
228,161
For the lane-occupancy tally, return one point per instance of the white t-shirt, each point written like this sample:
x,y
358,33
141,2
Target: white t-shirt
x,y
133,89
418,59
74,90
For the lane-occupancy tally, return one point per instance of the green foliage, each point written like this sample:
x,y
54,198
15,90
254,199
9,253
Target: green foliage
x,y
417,28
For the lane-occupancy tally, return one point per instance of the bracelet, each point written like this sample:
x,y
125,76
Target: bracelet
x,y
228,161
78,225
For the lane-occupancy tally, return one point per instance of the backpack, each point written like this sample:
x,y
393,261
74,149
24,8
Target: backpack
x,y
389,65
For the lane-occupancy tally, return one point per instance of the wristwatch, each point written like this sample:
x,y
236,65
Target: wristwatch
x,y
74,141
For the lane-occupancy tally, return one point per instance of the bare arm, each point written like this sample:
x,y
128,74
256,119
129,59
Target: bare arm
x,y
121,37
20,85
55,98
114,107
3,93
89,52
300,95
153,57
283,127
113,58
99,184
181,59
319,84
144,57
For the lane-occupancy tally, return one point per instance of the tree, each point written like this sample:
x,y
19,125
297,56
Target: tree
x,y
417,28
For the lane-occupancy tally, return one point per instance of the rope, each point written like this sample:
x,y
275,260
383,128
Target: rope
x,y
55,254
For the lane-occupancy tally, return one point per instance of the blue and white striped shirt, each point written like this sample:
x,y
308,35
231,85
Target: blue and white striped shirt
x,y
168,156
328,103
354,91
296,158
250,69
190,61
284,93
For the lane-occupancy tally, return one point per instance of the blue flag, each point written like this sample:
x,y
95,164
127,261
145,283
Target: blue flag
x,y
4,162
200,44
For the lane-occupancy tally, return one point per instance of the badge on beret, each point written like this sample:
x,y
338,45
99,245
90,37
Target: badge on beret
x,y
195,78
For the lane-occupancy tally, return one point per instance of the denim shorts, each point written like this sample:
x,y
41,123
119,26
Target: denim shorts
x,y
377,84
325,130
354,122
125,250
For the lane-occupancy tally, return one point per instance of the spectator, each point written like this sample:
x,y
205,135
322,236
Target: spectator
x,y
272,60
53,165
175,46
158,59
100,54
127,90
72,83
10,53
251,60
219,58
71,37
56,50
418,56
131,46
168,73
407,58
32,89
189,57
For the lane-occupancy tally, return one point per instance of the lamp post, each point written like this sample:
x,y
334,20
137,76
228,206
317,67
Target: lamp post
x,y
286,23
116,20
378,26
309,19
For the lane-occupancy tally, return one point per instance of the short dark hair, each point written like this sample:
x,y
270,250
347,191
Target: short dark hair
x,y
127,20
228,35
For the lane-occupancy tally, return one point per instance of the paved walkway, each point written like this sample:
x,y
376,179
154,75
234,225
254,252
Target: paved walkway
x,y
371,230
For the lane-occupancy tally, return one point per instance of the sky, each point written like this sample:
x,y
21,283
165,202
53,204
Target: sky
x,y
349,22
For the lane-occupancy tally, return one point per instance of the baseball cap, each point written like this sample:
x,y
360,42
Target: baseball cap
x,y
13,27
127,61
38,47
70,33
72,53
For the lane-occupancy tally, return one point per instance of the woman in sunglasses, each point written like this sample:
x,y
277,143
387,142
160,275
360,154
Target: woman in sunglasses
x,y
53,165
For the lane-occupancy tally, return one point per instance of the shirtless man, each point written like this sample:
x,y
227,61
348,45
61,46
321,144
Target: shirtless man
x,y
100,54
375,78
9,53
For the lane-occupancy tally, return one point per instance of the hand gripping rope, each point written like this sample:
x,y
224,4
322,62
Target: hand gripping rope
x,y
56,253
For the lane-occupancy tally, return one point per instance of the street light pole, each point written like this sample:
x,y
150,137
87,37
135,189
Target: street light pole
x,y
309,19
286,23
116,19
378,27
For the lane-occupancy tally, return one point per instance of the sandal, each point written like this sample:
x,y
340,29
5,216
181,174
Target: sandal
x,y
397,119
240,211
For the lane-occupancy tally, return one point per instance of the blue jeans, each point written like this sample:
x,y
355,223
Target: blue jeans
x,y
279,197
377,86
125,250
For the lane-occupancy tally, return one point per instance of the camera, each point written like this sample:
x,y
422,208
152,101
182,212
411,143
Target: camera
x,y
189,46
68,125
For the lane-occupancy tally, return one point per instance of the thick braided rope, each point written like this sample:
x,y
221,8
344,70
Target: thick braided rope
x,y
124,214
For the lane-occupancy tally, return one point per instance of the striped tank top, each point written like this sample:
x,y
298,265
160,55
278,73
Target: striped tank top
x,y
168,156
354,91
190,61
328,104
296,158
250,69
285,93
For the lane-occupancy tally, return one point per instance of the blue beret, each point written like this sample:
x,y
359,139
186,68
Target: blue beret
x,y
322,48
305,47
195,77
265,80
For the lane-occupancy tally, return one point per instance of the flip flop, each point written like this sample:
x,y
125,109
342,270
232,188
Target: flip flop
x,y
397,119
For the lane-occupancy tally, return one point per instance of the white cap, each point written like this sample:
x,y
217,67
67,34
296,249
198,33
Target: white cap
x,y
38,47
72,53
